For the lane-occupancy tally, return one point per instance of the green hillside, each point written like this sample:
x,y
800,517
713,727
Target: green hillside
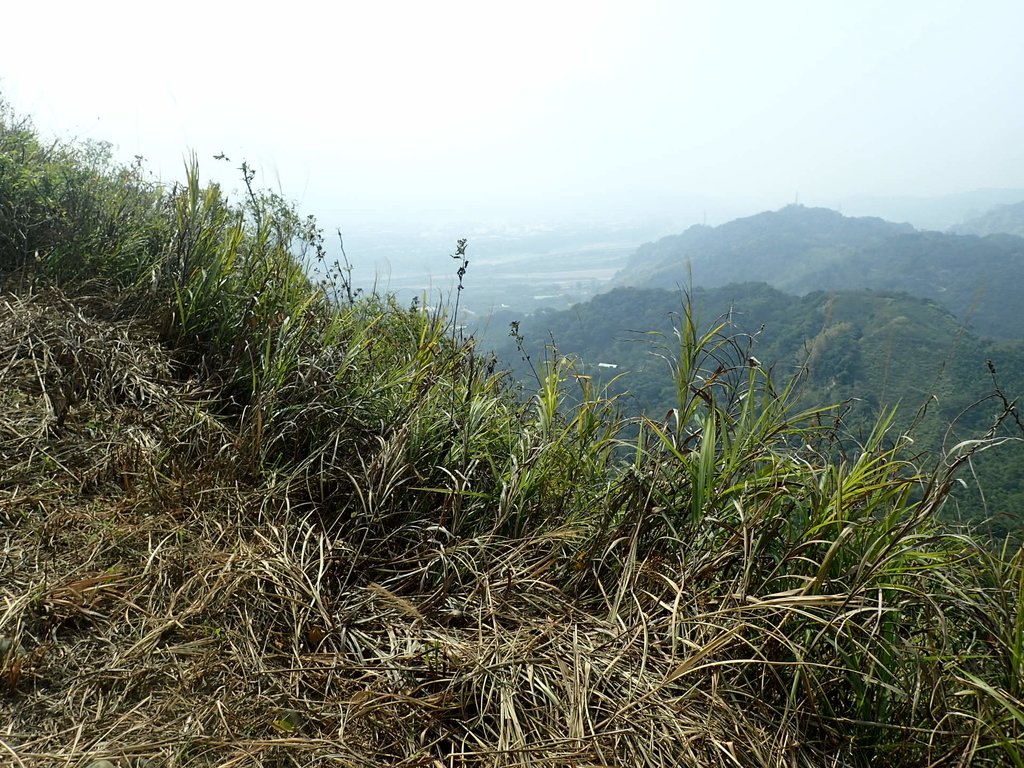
x,y
871,350
250,519
799,250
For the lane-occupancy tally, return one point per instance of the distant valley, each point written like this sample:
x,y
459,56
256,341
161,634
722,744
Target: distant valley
x,y
510,267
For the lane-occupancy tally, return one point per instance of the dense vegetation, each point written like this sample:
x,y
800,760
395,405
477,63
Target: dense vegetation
x,y
799,250
867,350
250,519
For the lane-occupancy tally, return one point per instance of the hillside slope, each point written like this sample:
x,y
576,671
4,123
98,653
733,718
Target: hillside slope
x,y
870,349
252,519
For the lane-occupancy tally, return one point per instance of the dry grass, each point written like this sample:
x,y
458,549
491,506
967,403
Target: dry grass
x,y
157,608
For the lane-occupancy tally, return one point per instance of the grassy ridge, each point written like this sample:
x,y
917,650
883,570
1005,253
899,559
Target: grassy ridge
x,y
251,520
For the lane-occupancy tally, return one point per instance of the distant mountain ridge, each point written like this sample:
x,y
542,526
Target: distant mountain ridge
x,y
1003,219
799,250
936,212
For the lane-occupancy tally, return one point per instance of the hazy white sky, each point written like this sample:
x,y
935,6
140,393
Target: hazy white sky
x,y
482,108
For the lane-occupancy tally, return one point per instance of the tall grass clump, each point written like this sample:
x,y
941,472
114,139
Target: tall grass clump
x,y
813,585
250,519
69,211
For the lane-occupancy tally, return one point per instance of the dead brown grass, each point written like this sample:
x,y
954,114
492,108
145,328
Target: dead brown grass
x,y
156,607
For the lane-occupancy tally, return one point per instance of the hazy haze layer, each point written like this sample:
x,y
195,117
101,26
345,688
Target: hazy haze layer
x,y
471,111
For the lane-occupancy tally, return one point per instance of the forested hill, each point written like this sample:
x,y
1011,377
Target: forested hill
x,y
799,250
872,350
880,347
